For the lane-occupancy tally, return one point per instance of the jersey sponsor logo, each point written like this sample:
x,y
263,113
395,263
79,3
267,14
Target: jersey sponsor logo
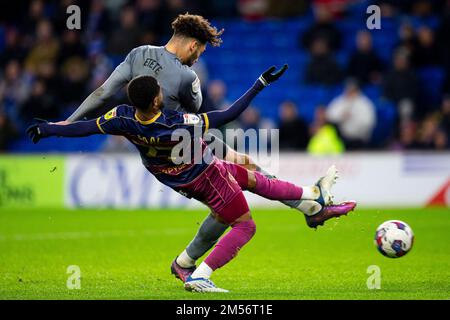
x,y
111,114
191,118
196,85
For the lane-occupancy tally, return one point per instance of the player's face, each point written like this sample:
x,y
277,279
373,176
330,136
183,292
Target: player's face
x,y
195,51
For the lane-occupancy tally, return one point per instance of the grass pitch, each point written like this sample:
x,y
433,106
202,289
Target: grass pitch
x,y
127,255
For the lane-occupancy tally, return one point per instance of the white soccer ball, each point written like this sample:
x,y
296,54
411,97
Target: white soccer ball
x,y
394,238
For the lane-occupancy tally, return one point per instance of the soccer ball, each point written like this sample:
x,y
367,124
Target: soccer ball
x,y
394,238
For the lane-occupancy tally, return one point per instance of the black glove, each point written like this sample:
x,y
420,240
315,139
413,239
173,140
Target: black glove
x,y
268,76
34,131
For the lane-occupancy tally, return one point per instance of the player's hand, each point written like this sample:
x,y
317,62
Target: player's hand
x,y
270,76
34,131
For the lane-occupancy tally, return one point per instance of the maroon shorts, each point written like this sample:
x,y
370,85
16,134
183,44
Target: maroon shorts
x,y
217,188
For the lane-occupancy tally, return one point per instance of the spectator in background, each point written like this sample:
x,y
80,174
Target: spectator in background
x,y
324,136
425,52
150,14
101,65
44,50
219,8
294,133
365,65
445,115
71,46
74,75
128,35
216,95
7,131
388,8
443,33
428,133
336,8
201,70
407,136
250,119
14,86
98,21
175,8
286,8
441,140
49,73
407,36
322,67
401,85
13,47
320,119
252,9
32,20
354,115
40,104
323,29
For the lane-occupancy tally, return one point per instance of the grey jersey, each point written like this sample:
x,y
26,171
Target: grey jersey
x,y
180,84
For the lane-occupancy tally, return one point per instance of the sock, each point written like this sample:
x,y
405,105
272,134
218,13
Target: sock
x,y
276,189
305,206
185,261
228,247
203,271
310,193
309,207
206,237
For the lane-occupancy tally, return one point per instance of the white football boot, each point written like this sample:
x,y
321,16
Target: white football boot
x,y
201,285
325,184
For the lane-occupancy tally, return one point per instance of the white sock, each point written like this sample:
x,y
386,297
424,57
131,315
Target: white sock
x,y
185,261
203,271
310,193
309,207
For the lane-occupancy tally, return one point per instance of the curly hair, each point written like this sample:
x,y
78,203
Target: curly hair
x,y
197,27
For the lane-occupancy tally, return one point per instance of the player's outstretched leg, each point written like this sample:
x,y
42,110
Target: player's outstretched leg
x,y
207,236
308,207
277,189
322,210
226,249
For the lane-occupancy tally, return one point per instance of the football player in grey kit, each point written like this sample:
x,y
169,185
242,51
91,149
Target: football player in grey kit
x,y
170,65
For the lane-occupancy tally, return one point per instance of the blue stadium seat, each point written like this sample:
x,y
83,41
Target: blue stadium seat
x,y
431,80
386,114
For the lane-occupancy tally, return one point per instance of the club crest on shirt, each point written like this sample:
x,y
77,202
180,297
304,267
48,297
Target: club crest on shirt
x,y
110,114
191,119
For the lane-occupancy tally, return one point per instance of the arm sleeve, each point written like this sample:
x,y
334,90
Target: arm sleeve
x,y
190,92
119,77
111,123
218,118
75,129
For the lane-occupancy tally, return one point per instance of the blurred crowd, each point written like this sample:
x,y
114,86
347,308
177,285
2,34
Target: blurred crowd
x,y
48,70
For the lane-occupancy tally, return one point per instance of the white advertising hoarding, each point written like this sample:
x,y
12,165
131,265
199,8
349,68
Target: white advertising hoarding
x,y
373,179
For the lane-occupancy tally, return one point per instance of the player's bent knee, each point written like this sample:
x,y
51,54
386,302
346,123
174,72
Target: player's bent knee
x,y
247,227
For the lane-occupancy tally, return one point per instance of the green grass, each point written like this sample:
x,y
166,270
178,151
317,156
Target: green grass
x,y
127,255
